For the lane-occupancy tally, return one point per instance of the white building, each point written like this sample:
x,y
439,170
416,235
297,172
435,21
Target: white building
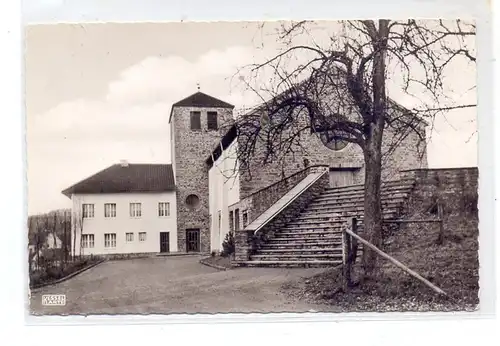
x,y
125,209
224,190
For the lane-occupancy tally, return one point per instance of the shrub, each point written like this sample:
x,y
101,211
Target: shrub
x,y
54,273
228,247
213,253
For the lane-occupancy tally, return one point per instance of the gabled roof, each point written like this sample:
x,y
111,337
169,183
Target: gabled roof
x,y
200,99
232,132
127,178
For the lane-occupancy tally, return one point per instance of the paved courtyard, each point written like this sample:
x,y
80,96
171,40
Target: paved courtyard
x,y
173,285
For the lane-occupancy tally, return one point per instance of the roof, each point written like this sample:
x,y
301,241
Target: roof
x,y
225,142
127,178
200,99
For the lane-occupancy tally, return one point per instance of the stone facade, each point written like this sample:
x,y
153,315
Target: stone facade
x,y
190,149
409,154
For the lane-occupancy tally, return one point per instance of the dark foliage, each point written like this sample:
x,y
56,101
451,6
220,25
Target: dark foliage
x,y
52,273
228,245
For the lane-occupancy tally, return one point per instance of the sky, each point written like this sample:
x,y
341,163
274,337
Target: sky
x,y
100,93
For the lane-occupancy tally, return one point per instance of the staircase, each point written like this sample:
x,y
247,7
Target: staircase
x,y
314,238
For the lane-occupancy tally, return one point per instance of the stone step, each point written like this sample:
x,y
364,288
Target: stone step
x,y
294,257
340,213
291,264
304,239
307,231
308,217
385,193
385,185
355,195
299,244
313,251
314,225
287,233
325,222
348,203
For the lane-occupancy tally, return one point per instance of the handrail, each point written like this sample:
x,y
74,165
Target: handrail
x,y
289,202
394,261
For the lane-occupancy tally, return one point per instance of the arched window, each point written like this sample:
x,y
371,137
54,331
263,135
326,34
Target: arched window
x,y
192,201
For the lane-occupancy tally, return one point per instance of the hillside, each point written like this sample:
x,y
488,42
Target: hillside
x,y
56,220
452,265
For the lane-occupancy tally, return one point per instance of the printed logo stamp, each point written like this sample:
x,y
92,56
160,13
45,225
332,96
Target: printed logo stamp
x,y
54,299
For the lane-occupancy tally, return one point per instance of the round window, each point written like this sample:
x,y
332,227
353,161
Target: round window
x,y
337,144
331,141
192,201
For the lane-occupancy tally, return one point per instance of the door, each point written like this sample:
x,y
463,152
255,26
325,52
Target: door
x,y
193,240
341,177
164,242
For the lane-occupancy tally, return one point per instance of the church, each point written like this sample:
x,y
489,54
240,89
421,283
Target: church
x,y
191,203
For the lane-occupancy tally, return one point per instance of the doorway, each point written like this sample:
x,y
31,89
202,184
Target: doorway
x,y
193,240
164,241
342,176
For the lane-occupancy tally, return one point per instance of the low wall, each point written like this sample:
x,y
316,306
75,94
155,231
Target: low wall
x,y
247,243
455,189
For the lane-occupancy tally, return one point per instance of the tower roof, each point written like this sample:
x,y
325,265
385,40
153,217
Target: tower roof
x,y
200,99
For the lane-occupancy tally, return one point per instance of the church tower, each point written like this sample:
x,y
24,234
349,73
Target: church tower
x,y
197,125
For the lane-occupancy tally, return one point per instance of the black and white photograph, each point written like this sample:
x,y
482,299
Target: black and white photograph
x,y
269,166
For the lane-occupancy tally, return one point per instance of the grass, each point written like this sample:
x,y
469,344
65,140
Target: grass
x,y
50,274
452,266
219,261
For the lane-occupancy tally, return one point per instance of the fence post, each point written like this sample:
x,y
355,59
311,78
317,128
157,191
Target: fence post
x,y
441,224
354,241
347,255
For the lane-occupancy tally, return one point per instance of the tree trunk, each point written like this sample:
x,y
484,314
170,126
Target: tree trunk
x,y
372,150
372,207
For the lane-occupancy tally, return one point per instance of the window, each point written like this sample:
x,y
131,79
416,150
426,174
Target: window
x,y
110,210
109,239
212,121
87,241
163,209
245,218
195,120
337,144
88,211
220,220
332,140
129,237
135,210
142,236
192,201
237,219
231,221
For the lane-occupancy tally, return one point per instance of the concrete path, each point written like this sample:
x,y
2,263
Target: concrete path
x,y
173,285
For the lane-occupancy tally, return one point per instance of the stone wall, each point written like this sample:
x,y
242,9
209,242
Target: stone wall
x,y
455,189
258,202
247,243
191,149
409,154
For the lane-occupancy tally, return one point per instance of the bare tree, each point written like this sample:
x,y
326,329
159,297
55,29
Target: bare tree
x,y
337,89
77,220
